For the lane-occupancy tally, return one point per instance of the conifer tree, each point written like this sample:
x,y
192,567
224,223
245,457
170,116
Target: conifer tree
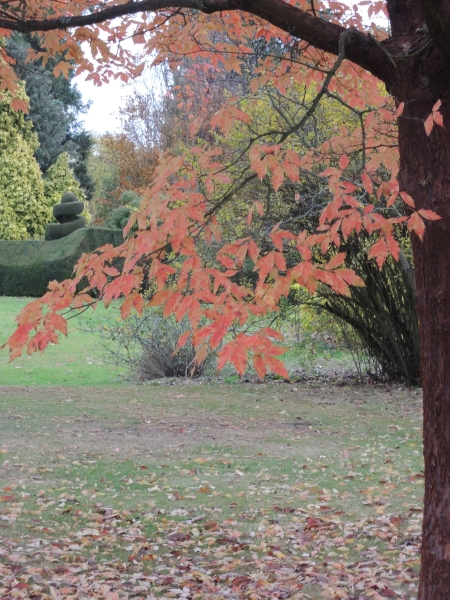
x,y
23,208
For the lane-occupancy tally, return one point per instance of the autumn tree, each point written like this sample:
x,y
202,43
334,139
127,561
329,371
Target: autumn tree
x,y
150,116
323,43
150,123
118,165
382,313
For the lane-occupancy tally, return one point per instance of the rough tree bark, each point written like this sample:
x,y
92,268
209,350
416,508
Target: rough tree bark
x,y
424,173
414,63
425,176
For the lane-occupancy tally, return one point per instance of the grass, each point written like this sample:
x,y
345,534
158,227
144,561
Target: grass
x,y
168,459
76,361
318,357
79,359
111,490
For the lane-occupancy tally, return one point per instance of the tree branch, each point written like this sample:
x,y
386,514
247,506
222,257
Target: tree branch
x,y
360,48
408,269
320,33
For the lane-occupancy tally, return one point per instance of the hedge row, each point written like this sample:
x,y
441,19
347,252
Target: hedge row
x,y
27,266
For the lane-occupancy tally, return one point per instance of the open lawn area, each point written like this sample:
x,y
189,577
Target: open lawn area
x,y
216,490
210,491
76,361
81,360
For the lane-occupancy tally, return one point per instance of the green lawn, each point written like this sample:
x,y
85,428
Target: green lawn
x,y
77,360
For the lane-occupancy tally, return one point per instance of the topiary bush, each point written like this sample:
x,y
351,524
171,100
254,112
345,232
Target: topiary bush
x,y
59,180
67,213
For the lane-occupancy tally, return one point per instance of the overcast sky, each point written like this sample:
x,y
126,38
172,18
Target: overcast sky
x,y
106,100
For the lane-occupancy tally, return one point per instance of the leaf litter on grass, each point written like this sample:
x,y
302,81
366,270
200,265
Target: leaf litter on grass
x,y
280,558
220,522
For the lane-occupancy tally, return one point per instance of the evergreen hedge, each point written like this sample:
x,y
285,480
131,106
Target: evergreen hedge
x,y
27,266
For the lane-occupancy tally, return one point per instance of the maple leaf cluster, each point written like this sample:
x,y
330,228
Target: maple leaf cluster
x,y
179,212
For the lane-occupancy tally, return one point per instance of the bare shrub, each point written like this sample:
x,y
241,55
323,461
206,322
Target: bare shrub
x,y
146,345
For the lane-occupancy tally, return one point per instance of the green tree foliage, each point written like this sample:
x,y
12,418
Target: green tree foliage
x,y
119,217
60,179
24,209
55,106
105,177
84,142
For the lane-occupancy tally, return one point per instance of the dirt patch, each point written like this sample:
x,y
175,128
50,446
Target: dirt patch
x,y
156,421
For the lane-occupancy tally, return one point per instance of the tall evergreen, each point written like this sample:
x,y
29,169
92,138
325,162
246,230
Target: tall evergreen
x,y
24,210
56,105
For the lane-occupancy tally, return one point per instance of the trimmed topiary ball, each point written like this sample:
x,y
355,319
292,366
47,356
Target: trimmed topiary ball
x,y
70,209
68,197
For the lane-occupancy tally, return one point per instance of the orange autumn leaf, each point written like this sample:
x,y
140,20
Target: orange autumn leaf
x,y
379,251
416,224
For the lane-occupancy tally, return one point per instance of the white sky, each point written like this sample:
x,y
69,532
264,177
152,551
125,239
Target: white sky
x,y
102,117
106,100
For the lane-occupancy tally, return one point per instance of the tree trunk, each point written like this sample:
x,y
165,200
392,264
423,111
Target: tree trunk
x,y
425,175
